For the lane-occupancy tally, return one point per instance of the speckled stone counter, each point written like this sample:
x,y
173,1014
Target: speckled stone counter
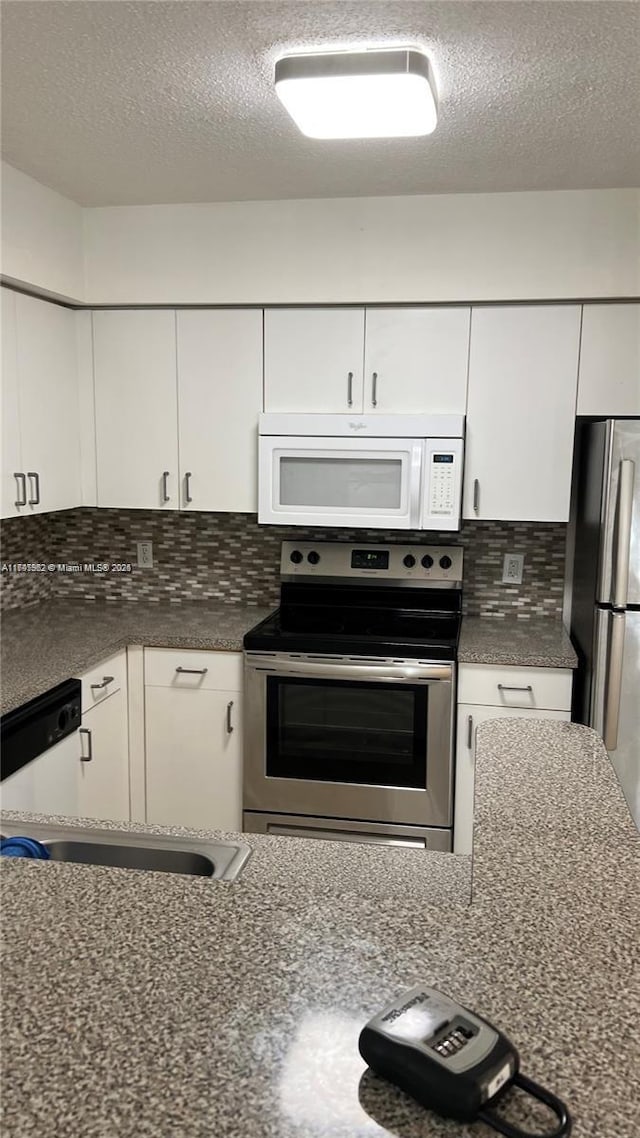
x,y
536,643
150,1005
44,645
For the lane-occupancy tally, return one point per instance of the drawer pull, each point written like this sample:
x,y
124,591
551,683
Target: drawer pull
x,y
229,723
505,687
192,671
106,680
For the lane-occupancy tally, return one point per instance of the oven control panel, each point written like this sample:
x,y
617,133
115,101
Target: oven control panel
x,y
429,564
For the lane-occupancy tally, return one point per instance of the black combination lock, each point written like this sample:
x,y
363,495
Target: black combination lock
x,y
451,1061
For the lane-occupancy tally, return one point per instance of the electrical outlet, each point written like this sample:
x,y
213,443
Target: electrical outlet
x,y
512,568
145,554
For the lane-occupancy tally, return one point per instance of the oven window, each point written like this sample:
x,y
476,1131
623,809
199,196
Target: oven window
x,y
345,731
357,483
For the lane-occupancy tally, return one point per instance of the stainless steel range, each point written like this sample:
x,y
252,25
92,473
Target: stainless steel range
x,y
350,696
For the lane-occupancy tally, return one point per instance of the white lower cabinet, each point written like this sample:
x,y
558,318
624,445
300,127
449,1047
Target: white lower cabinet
x,y
85,775
193,738
103,760
487,691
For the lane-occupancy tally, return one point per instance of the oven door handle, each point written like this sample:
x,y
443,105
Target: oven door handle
x,y
402,673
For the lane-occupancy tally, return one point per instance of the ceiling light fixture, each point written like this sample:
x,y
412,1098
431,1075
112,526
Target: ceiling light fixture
x,y
361,94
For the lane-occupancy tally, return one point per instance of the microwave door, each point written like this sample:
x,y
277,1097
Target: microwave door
x,y
374,483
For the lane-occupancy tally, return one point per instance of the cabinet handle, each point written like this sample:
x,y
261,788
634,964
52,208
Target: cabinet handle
x,y
165,492
504,687
21,483
229,723
187,495
469,731
476,495
350,389
374,389
106,680
192,671
89,755
35,501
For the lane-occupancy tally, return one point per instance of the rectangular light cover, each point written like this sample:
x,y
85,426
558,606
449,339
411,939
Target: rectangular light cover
x,y
366,94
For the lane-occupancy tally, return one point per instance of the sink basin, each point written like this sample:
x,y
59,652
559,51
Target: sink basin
x,y
222,861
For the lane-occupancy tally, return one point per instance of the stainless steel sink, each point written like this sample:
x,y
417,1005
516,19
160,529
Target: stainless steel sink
x,y
221,861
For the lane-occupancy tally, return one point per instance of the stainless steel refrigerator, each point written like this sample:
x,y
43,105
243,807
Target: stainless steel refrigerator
x,y
605,607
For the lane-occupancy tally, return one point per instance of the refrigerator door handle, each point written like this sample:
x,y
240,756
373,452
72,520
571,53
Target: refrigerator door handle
x,y
613,686
622,550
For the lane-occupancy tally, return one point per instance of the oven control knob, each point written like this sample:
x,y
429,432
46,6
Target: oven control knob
x,y
296,557
427,561
445,562
409,561
313,557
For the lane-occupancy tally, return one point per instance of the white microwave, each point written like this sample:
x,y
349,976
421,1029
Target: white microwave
x,y
369,471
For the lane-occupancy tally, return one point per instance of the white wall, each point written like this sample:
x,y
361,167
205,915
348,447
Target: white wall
x,y
42,240
441,247
435,248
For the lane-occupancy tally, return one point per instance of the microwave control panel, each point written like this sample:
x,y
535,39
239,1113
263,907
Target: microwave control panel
x,y
443,483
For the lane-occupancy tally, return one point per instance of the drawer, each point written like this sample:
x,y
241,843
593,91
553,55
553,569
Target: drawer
x,y
499,686
203,671
105,679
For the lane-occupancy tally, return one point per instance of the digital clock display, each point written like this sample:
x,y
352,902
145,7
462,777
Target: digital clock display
x,y
369,558
443,458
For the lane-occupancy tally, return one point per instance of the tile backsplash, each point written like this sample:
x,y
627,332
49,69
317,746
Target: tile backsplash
x,y
230,557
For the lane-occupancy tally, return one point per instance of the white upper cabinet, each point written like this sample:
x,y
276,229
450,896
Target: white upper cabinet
x,y
313,359
521,408
609,378
13,478
48,397
386,360
136,408
220,397
416,360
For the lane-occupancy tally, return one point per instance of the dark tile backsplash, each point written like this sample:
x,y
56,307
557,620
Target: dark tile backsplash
x,y
230,557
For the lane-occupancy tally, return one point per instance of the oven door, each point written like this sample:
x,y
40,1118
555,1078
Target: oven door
x,y
340,482
349,738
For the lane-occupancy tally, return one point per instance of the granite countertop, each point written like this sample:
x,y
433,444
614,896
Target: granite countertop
x,y
146,1004
43,645
536,643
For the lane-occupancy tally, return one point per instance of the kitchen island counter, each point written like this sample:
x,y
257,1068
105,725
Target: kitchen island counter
x,y
148,1005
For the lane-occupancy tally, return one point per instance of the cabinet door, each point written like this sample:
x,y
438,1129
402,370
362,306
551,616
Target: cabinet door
x,y
193,761
470,716
48,784
416,360
609,379
136,409
49,406
103,776
13,488
313,359
523,373
220,398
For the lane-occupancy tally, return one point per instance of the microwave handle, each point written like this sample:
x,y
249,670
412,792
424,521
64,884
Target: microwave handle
x,y
418,476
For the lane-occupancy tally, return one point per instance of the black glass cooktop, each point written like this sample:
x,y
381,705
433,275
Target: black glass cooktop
x,y
347,620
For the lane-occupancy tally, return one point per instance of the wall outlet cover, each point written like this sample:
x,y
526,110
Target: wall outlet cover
x,y
512,568
145,554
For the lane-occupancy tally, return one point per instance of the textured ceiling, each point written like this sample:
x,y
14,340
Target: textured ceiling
x,y
116,102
